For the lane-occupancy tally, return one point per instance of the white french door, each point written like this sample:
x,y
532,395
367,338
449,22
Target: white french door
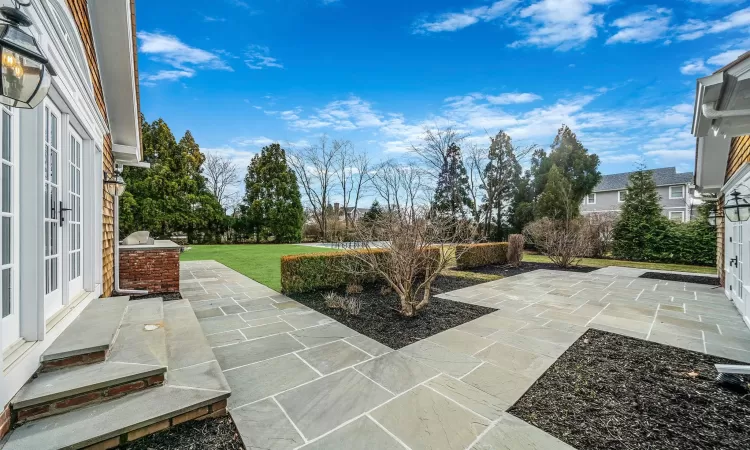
x,y
53,295
72,224
9,297
735,254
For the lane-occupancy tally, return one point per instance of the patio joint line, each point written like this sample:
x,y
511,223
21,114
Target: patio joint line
x,y
703,335
307,363
359,372
194,365
485,348
472,370
361,350
717,326
453,401
597,314
396,438
289,419
648,335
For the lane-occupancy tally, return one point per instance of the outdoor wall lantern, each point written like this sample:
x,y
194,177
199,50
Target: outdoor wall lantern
x,y
712,216
114,184
26,72
737,208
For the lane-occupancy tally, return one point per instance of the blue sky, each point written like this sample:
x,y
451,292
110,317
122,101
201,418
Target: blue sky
x,y
240,74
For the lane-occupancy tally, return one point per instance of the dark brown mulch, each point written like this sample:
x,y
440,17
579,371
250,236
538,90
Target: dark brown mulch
x,y
614,392
507,271
165,297
711,281
210,434
380,320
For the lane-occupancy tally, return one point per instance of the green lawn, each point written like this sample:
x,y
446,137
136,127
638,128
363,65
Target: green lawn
x,y
595,262
261,262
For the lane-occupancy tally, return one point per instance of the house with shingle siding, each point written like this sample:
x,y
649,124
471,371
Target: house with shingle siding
x,y
675,193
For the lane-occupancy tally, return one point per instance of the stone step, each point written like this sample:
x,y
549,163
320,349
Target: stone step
x,y
62,390
194,387
120,420
87,340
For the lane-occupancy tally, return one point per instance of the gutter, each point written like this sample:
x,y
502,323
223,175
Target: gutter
x,y
117,254
709,110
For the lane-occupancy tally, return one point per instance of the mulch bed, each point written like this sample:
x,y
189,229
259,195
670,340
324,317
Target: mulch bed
x,y
380,320
711,281
614,392
165,297
209,434
507,271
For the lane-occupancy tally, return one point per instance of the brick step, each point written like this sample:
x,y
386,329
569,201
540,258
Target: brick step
x,y
63,390
88,339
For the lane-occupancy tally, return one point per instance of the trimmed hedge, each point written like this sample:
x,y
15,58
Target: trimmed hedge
x,y
315,271
475,255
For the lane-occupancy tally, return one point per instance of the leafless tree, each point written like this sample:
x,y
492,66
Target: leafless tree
x,y
414,253
353,173
315,167
476,162
434,147
221,177
402,187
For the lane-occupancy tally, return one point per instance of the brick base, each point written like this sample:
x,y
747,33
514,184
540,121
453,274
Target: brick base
x,y
78,360
60,406
156,271
218,409
4,421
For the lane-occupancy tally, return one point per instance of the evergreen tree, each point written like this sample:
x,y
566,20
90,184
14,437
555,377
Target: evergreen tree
x,y
272,206
373,214
556,202
502,170
452,193
573,160
170,197
642,230
522,206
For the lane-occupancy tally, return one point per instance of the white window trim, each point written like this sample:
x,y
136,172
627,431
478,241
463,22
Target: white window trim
x,y
682,192
588,199
681,213
619,196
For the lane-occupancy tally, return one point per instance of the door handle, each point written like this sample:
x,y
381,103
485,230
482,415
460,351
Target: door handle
x,y
62,210
733,261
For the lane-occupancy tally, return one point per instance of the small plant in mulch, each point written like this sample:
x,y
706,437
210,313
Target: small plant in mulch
x,y
614,392
213,434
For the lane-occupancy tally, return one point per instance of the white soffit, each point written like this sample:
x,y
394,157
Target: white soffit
x,y
711,163
113,39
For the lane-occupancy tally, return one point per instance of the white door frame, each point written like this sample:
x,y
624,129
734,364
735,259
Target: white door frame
x,y
737,245
10,326
54,188
73,219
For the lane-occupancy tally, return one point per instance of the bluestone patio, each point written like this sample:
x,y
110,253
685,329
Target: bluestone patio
x,y
302,380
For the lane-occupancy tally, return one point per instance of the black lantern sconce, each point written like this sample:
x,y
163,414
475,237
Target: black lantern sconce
x,y
114,184
26,72
736,209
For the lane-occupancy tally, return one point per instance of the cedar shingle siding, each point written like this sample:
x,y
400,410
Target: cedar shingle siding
x,y
739,153
80,12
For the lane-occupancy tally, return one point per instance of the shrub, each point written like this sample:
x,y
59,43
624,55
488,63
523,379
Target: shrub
x,y
563,241
600,229
354,288
515,249
331,270
334,300
476,255
352,305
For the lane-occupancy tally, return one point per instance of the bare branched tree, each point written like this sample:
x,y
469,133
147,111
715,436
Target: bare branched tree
x,y
401,187
434,148
413,255
353,173
221,177
476,161
315,167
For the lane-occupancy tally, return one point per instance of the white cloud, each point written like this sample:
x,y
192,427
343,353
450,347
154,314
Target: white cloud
x,y
644,26
350,114
459,20
170,50
561,24
513,98
672,155
694,29
694,67
724,58
611,157
166,75
258,57
213,19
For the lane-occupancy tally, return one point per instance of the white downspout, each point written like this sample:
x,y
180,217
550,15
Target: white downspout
x,y
117,254
709,110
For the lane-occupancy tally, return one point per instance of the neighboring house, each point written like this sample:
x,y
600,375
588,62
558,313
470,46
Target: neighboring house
x,y
69,351
675,193
721,124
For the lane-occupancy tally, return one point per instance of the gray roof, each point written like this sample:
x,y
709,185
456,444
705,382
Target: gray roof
x,y
663,177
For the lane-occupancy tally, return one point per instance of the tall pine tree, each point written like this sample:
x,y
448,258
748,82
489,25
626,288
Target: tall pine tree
x,y
452,193
500,174
641,229
557,202
272,206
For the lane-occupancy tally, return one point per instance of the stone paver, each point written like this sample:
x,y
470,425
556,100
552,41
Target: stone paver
x,y
300,379
326,403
